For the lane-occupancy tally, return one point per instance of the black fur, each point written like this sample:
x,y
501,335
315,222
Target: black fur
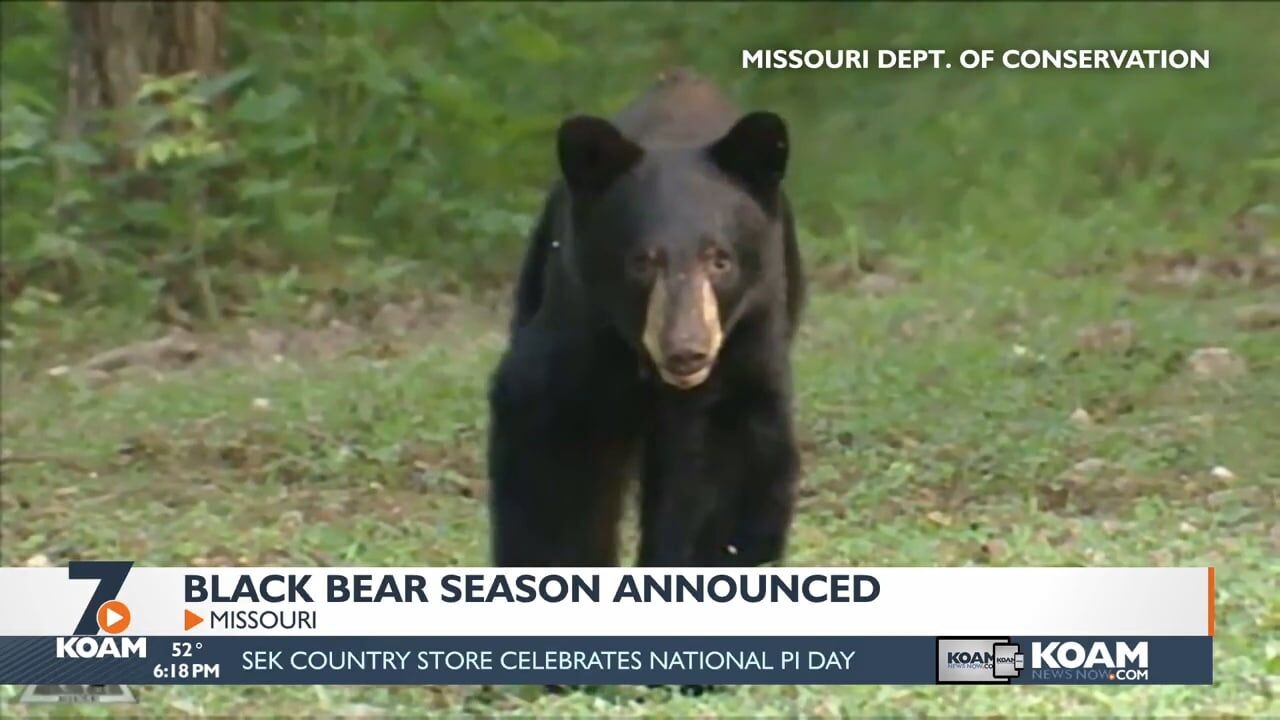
x,y
576,408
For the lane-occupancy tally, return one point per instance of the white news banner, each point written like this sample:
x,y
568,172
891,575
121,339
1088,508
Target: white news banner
x,y
617,602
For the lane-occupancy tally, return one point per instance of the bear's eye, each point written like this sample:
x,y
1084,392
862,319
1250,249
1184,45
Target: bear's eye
x,y
644,264
721,262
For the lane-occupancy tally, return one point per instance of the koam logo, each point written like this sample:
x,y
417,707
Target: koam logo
x,y
93,647
986,660
970,659
103,612
1006,660
1099,654
1116,660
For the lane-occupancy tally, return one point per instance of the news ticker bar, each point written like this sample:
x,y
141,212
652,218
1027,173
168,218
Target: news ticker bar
x,y
343,660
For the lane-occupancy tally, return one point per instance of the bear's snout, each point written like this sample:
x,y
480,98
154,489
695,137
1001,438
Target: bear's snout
x,y
682,331
687,362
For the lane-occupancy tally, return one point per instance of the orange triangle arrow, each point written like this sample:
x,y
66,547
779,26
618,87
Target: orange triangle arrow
x,y
191,620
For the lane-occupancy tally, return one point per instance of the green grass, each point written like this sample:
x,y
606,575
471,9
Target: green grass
x,y
935,423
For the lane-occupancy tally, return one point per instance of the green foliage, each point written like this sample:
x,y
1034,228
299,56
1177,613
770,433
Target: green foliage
x,y
422,131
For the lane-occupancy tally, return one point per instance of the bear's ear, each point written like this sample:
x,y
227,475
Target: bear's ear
x,y
593,153
755,152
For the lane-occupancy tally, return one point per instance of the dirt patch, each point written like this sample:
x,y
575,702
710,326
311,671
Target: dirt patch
x,y
1097,487
393,330
1216,363
258,452
1115,336
1263,316
1204,275
865,274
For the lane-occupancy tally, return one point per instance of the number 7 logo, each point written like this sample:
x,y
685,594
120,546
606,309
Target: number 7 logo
x,y
110,576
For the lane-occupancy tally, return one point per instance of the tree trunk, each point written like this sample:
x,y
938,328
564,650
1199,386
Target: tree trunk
x,y
111,46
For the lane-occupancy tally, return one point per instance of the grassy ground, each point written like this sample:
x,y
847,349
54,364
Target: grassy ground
x,y
957,406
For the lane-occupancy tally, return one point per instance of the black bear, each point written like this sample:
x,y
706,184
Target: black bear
x,y
654,315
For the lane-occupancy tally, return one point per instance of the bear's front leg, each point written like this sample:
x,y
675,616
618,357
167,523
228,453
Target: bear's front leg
x,y
557,470
757,457
678,497
551,504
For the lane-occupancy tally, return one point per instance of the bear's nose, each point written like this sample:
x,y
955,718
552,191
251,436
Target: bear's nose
x,y
686,362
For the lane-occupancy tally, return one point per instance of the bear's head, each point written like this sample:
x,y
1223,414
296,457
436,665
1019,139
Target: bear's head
x,y
677,243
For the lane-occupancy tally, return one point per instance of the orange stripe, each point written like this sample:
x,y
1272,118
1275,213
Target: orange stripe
x,y
1210,602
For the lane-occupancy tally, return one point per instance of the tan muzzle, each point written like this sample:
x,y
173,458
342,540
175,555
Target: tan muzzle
x,y
682,332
